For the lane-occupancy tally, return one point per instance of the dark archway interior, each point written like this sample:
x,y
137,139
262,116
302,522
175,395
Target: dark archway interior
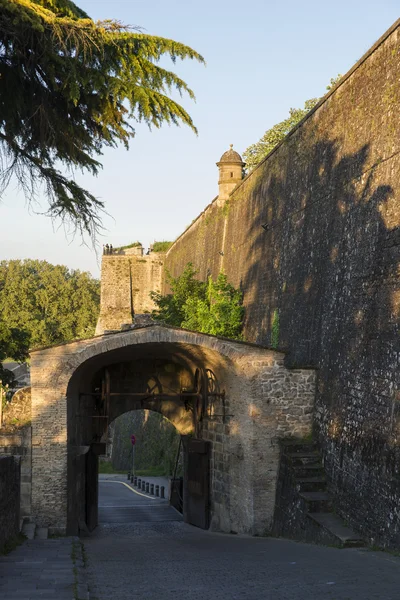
x,y
164,377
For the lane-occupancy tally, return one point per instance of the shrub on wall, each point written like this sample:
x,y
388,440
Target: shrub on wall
x,y
213,307
161,246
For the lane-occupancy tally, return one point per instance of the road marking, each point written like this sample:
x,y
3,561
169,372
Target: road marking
x,y
129,488
133,506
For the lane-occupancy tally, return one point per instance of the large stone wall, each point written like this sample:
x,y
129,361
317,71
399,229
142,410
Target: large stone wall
x,y
264,402
126,283
312,237
19,445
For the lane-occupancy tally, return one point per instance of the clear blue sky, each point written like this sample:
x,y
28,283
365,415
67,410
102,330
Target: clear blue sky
x,y
262,58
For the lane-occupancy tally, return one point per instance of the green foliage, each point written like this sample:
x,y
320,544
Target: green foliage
x,y
51,302
12,544
133,245
156,447
14,343
106,467
213,307
275,329
161,246
153,472
70,86
255,153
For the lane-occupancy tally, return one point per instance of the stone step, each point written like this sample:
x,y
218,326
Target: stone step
x,y
317,501
305,458
311,484
28,529
42,533
305,471
298,446
333,527
311,454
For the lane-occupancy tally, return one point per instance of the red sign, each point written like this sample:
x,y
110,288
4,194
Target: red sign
x,y
133,440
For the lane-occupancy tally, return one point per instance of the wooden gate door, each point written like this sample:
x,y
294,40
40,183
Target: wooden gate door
x,y
92,489
197,483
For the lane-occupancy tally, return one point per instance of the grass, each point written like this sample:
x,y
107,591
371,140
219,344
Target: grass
x,y
12,544
161,246
156,471
106,467
375,548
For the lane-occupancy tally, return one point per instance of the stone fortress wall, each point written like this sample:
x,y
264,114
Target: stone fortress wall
x,y
312,237
127,278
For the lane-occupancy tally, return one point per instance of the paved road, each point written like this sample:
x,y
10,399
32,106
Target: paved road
x,y
153,559
40,569
120,502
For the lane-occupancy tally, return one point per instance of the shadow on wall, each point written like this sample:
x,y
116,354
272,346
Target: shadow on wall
x,y
325,256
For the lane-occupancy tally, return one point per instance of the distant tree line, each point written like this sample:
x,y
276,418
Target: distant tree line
x,y
43,304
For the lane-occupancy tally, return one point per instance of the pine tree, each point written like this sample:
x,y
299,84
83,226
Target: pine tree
x,y
69,87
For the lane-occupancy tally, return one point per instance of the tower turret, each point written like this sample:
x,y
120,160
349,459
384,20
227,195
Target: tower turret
x,y
230,173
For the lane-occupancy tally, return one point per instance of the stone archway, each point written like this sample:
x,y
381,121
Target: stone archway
x,y
253,402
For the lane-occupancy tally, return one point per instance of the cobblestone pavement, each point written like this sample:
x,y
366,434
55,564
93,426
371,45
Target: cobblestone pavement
x,y
40,569
174,561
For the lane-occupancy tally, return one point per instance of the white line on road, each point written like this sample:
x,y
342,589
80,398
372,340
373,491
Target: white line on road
x,y
129,488
134,506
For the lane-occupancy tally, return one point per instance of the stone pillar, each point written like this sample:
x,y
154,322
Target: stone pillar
x,y
49,460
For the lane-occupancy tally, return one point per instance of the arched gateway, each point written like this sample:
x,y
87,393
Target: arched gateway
x,y
236,399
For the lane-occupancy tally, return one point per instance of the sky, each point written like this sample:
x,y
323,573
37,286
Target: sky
x,y
262,59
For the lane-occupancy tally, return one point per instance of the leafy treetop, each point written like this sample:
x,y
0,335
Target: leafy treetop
x,y
14,343
50,302
133,245
255,153
213,307
70,86
161,246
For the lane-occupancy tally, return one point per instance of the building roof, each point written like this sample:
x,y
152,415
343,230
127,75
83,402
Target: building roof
x,y
230,156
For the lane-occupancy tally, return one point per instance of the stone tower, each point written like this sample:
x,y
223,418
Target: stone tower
x,y
230,174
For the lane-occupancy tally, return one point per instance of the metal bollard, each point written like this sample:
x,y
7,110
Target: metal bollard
x,y
143,485
129,474
157,490
147,488
139,483
135,480
131,478
162,491
152,489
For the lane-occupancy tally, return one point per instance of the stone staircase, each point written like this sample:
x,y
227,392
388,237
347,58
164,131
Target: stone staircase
x,y
306,507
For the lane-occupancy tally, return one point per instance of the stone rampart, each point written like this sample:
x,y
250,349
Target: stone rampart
x,y
259,401
312,237
126,283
